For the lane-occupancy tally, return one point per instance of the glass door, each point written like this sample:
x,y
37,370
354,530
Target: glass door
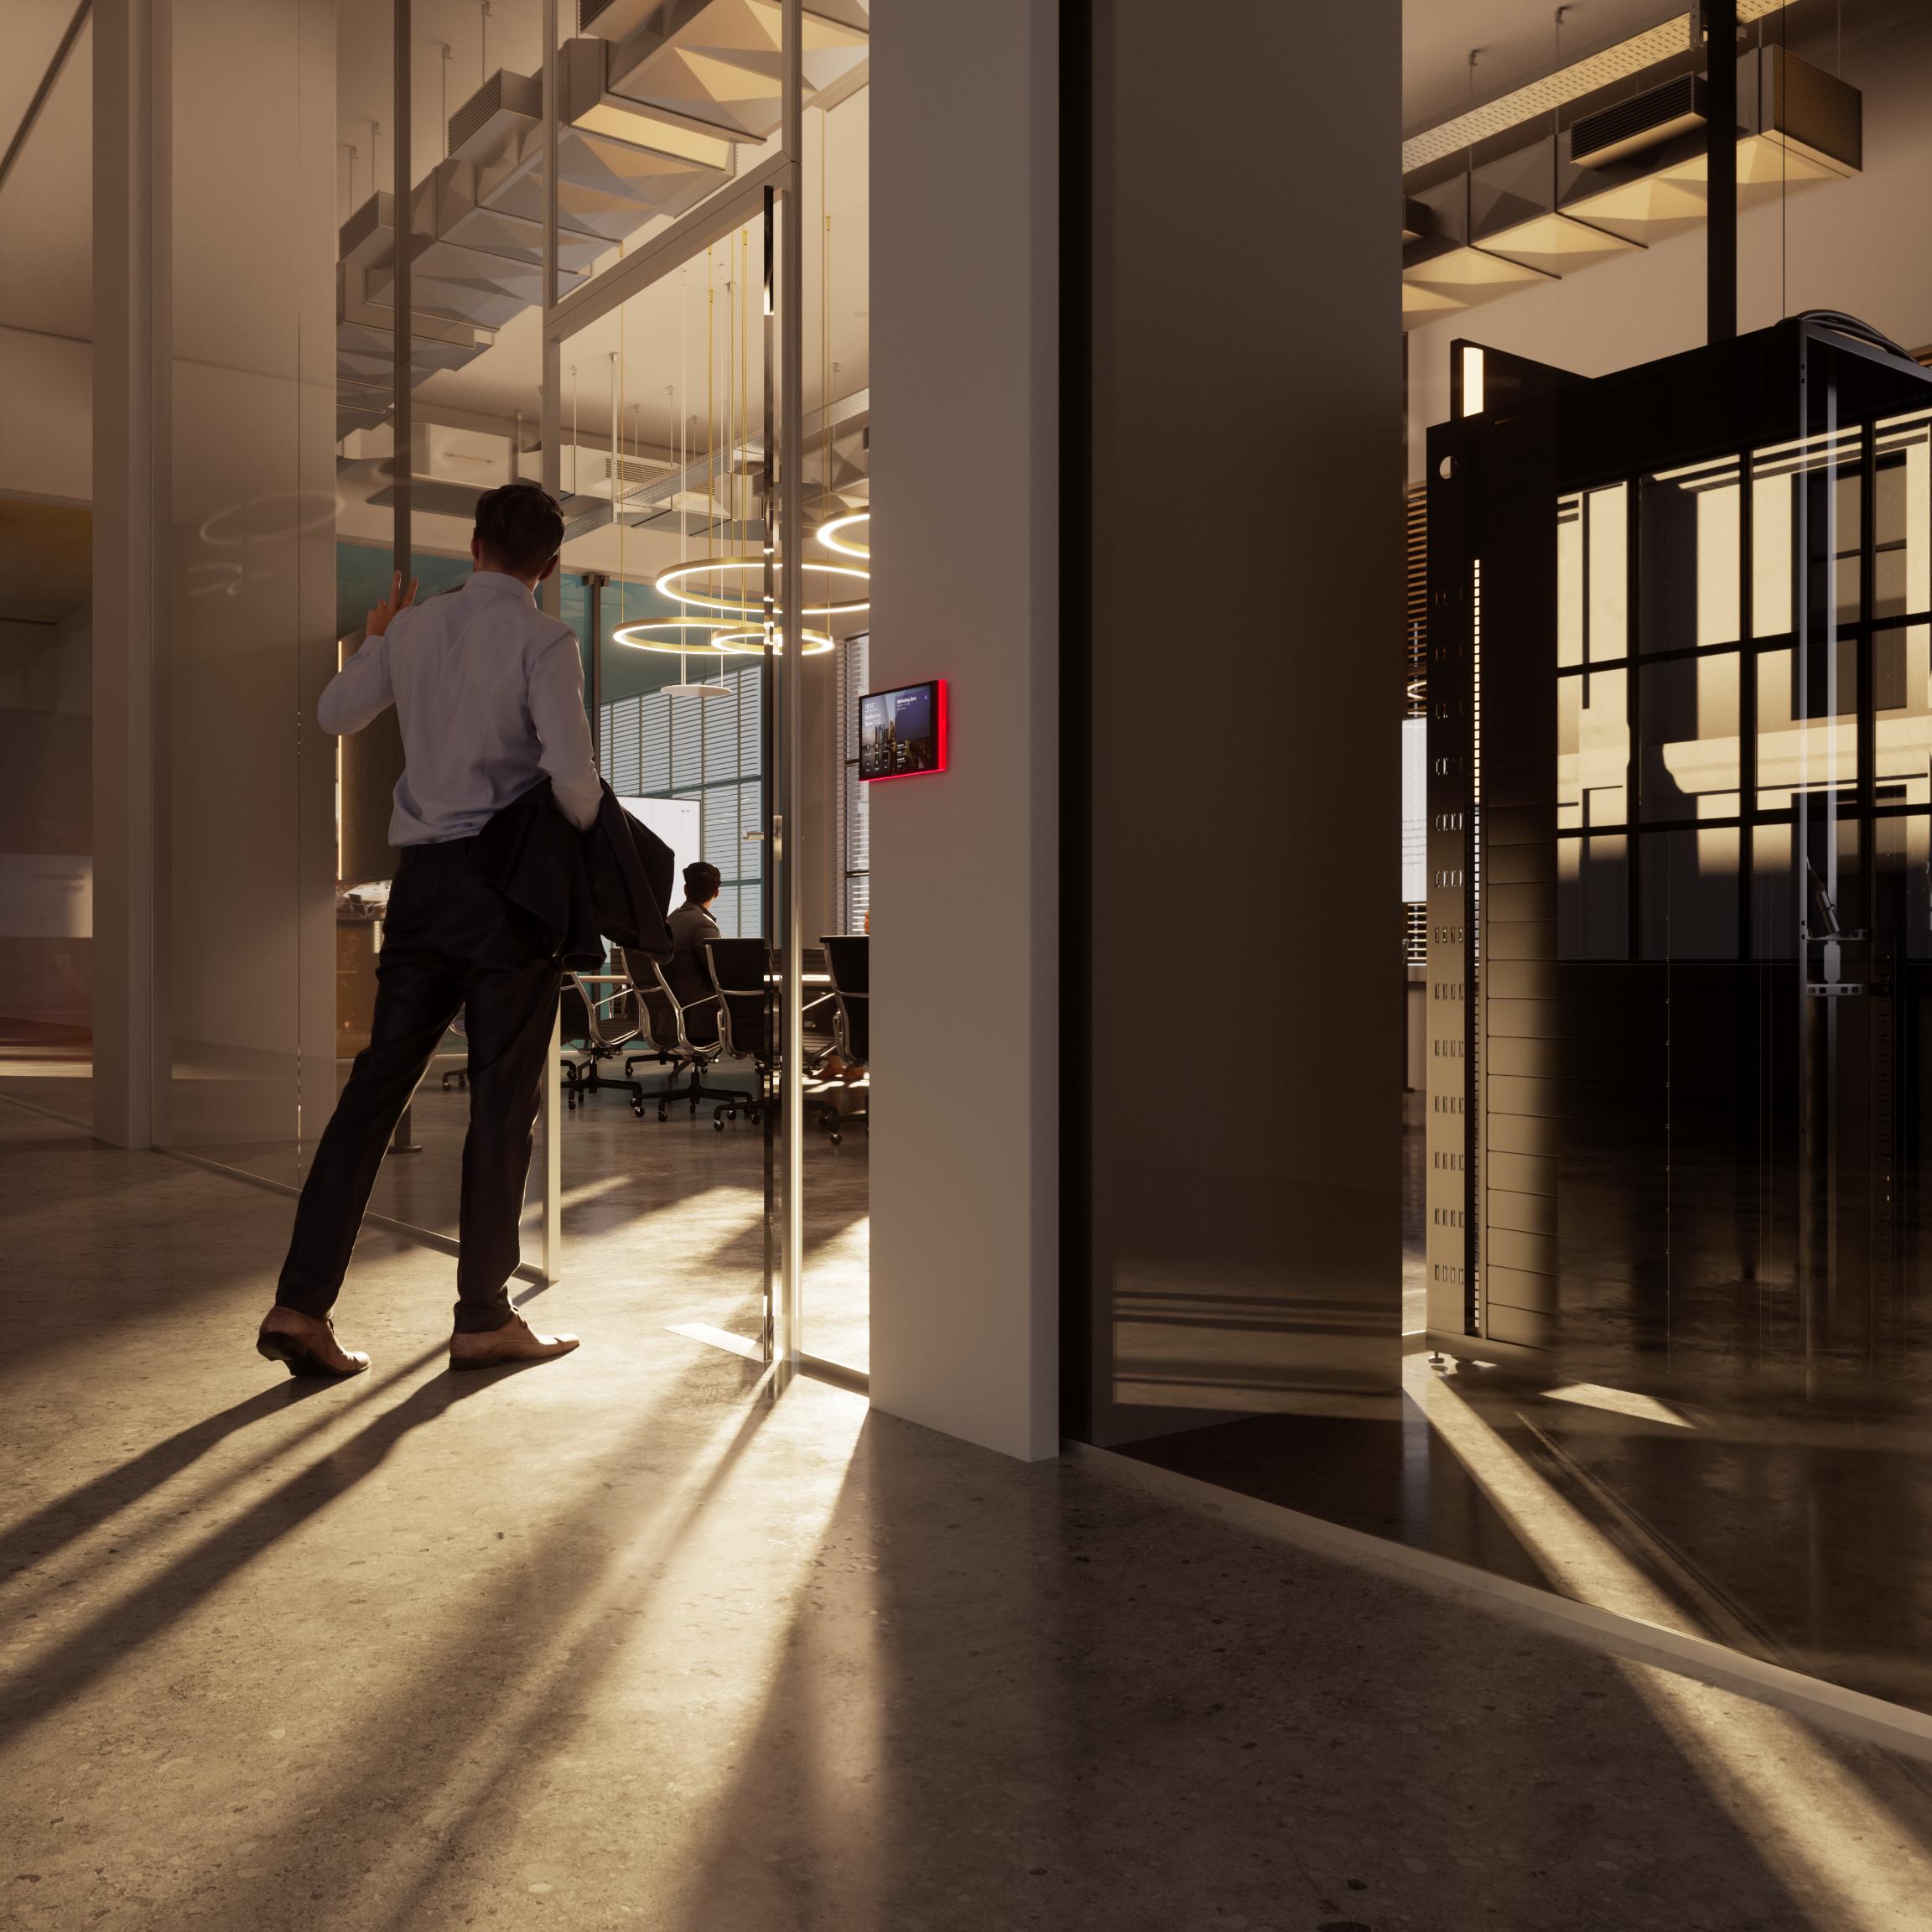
x,y
671,1142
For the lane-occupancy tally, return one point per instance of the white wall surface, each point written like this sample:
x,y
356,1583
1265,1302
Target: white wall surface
x,y
964,1143
47,382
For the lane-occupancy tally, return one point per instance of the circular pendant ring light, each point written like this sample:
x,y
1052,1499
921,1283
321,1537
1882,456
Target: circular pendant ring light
x,y
817,642
832,535
633,636
671,583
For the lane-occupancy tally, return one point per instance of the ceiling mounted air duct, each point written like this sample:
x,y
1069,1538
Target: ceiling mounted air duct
x,y
503,105
477,286
605,186
1622,168
587,102
1645,121
719,64
366,349
620,20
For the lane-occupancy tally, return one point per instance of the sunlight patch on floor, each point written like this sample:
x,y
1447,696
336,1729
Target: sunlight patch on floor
x,y
1618,1402
1829,1836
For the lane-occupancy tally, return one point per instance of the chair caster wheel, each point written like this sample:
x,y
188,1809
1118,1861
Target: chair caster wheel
x,y
718,1125
662,1115
638,1107
834,1139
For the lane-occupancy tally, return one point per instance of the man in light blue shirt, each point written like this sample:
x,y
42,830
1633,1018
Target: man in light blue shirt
x,y
489,695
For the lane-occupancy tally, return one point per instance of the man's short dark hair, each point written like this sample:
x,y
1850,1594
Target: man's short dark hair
x,y
702,880
519,526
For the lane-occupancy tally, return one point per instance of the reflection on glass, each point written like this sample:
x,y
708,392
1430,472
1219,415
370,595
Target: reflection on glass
x,y
1808,738
1593,898
1902,518
1688,715
1592,569
1833,868
1847,535
1687,891
1691,557
1772,516
1593,750
1814,488
1774,907
1569,580
1902,874
1609,572
1777,918
1901,702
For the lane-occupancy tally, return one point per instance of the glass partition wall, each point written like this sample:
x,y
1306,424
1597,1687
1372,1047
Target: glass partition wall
x,y
242,831
595,246
673,1136
678,430
833,843
1680,918
47,616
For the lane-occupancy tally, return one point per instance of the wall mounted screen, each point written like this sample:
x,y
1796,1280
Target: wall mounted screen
x,y
903,733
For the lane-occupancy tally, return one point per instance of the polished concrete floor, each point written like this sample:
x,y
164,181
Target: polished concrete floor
x,y
622,1642
690,1192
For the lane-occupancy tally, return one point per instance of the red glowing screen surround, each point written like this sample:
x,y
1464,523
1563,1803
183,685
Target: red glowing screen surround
x,y
903,733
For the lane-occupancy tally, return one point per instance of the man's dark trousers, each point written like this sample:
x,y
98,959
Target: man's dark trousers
x,y
450,939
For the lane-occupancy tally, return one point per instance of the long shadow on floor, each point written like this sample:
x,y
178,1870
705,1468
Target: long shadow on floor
x,y
106,1640
71,1517
1012,1696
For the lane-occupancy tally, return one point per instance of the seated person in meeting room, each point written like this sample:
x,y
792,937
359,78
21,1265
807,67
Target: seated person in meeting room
x,y
685,970
489,697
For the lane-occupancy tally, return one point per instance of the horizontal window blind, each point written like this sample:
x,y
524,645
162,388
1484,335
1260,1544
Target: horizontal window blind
x,y
710,748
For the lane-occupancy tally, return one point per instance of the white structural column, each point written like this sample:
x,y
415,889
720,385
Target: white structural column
x,y
965,546
131,353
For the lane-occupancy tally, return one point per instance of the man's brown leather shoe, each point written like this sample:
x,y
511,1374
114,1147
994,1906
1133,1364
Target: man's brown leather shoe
x,y
514,1341
306,1346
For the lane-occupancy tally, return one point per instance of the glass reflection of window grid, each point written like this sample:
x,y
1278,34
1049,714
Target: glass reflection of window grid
x,y
1687,705
1593,750
1593,573
1687,712
1690,556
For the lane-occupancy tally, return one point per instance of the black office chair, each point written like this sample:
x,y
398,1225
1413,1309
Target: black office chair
x,y
667,1024
738,968
461,1075
600,1011
848,959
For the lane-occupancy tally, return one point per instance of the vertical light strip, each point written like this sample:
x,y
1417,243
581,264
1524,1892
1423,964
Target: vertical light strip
x,y
790,676
551,406
1472,380
1473,1293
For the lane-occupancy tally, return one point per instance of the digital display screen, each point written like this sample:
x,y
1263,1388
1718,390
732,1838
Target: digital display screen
x,y
903,733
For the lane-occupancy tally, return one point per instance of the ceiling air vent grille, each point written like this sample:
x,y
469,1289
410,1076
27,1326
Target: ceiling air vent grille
x,y
614,19
1643,121
486,118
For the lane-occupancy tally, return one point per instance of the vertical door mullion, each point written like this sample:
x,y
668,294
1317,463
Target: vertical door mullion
x,y
553,595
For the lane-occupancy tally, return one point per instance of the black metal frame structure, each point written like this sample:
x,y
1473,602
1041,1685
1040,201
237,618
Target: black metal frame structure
x,y
1676,1017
